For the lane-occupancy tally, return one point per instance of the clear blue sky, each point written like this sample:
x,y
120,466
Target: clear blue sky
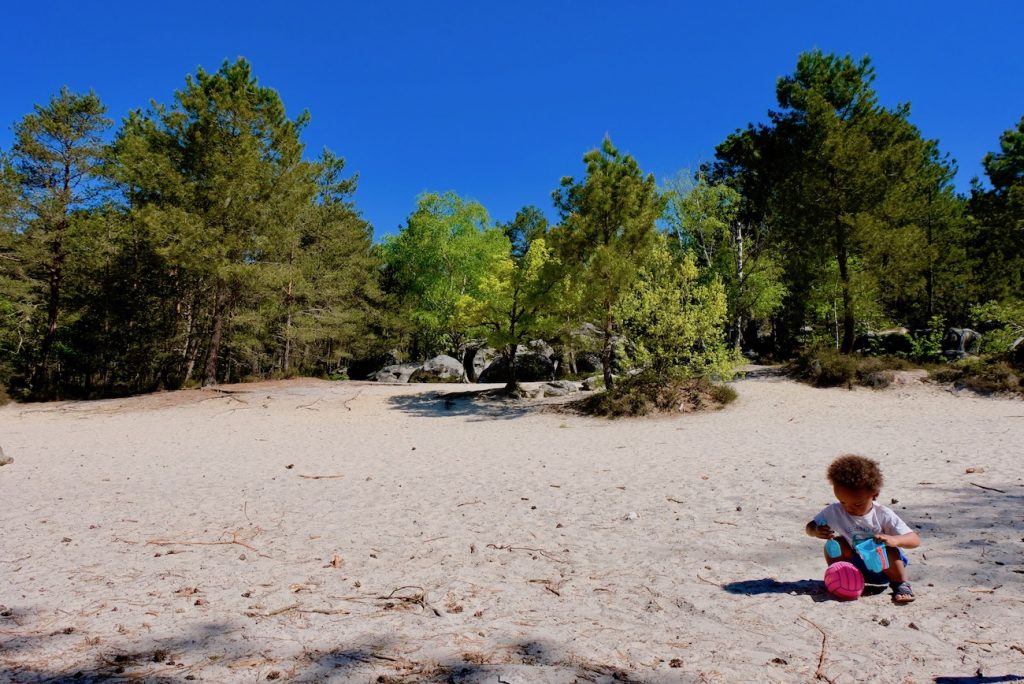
x,y
498,101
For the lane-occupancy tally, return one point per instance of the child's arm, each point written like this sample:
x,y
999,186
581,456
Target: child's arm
x,y
910,540
813,529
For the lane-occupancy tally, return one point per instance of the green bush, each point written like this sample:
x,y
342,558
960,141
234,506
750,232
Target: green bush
x,y
649,393
825,367
987,375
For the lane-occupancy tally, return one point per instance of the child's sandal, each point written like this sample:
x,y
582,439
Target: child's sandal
x,y
902,593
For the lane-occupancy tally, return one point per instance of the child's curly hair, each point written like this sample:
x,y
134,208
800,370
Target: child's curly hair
x,y
856,472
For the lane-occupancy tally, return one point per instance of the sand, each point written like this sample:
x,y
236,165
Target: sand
x,y
315,531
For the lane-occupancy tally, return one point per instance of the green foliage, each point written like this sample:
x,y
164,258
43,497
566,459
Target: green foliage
x,y
927,347
50,180
652,393
997,245
705,217
674,321
512,302
837,178
606,234
1008,318
441,255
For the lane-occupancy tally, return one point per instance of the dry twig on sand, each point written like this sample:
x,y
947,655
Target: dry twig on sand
x,y
234,540
320,477
820,672
991,489
418,598
707,581
546,554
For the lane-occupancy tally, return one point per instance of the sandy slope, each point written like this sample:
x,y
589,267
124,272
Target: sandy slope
x,y
320,531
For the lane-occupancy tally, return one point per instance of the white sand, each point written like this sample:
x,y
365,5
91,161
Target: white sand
x,y
482,544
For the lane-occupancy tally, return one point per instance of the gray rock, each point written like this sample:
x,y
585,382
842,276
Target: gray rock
x,y
592,383
440,369
957,343
475,358
399,372
541,348
894,341
5,460
559,388
530,367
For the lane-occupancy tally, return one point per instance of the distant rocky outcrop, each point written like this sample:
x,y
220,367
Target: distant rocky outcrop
x,y
399,372
440,369
894,341
363,369
532,365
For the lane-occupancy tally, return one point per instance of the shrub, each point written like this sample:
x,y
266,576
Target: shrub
x,y
987,375
649,393
825,367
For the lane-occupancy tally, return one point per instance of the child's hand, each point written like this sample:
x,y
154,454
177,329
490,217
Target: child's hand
x,y
822,531
887,539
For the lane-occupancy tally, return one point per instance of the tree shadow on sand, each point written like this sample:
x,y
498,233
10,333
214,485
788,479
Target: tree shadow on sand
x,y
199,655
486,404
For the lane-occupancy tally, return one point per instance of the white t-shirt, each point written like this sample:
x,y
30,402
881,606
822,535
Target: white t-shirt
x,y
879,520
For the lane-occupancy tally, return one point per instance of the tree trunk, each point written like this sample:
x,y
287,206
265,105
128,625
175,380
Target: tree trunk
x,y
510,359
849,322
210,375
52,311
288,330
606,349
739,282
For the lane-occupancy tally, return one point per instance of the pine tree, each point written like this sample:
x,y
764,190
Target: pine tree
x,y
607,231
55,159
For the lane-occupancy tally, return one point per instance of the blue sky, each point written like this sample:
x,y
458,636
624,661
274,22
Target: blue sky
x,y
498,101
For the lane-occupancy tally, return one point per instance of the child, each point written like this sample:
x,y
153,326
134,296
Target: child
x,y
856,482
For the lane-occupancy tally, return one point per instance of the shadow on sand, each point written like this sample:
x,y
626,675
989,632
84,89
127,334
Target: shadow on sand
x,y
188,657
813,588
978,679
485,404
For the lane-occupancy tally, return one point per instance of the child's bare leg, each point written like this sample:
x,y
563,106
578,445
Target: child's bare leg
x,y
897,571
845,552
897,575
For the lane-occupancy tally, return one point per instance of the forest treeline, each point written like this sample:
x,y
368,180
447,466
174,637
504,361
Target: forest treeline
x,y
198,243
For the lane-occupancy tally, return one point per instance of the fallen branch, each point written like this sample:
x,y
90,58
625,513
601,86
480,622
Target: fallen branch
x,y
991,489
345,403
278,611
707,581
509,547
819,673
419,598
320,477
234,540
325,611
674,500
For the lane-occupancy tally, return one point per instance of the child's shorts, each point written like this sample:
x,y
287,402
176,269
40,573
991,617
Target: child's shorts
x,y
875,577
